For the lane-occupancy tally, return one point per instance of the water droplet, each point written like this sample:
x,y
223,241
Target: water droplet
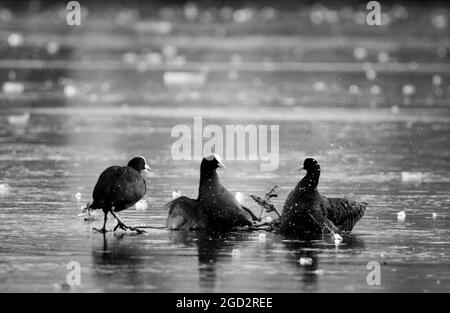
x,y
176,194
15,39
70,91
383,57
316,17
360,53
337,239
320,86
262,237
19,120
439,21
411,177
375,90
371,74
305,261
441,52
408,90
52,47
4,189
354,89
437,80
13,88
401,216
141,205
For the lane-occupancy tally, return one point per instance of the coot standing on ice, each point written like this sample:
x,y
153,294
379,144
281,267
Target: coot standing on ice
x,y
118,188
306,211
214,209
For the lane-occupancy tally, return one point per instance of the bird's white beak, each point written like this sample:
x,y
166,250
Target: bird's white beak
x,y
220,164
301,168
147,172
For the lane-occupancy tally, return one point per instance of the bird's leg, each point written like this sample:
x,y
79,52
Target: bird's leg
x,y
103,229
323,222
122,225
254,227
260,223
266,227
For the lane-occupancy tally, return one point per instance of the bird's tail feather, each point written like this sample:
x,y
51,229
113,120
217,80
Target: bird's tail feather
x,y
355,211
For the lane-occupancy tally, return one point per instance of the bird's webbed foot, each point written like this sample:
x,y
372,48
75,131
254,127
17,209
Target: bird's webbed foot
x,y
124,227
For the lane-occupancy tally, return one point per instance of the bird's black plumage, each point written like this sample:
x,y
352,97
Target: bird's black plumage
x,y
306,211
120,187
215,208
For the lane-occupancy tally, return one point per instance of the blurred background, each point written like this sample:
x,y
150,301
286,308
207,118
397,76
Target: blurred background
x,y
370,103
265,53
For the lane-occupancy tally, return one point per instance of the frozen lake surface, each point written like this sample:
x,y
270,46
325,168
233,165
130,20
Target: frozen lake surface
x,y
58,155
372,108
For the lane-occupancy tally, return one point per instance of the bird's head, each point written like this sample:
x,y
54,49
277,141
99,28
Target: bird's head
x,y
139,164
212,162
310,165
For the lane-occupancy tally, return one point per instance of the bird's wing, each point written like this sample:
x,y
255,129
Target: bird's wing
x,y
324,223
102,188
120,186
107,185
184,213
345,213
234,206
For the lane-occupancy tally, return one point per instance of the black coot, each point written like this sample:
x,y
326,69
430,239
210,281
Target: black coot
x,y
307,212
118,188
214,209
